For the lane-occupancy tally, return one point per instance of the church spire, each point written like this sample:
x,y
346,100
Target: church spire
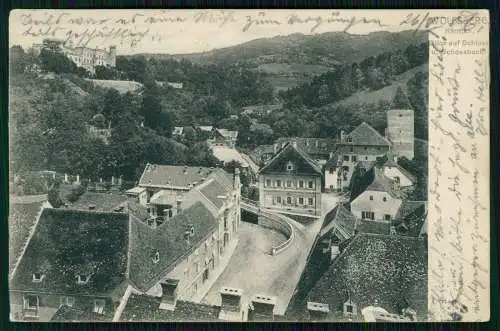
x,y
400,100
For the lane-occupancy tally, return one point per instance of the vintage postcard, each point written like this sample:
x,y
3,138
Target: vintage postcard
x,y
249,165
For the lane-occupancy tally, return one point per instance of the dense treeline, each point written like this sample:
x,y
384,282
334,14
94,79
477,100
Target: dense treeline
x,y
49,126
370,74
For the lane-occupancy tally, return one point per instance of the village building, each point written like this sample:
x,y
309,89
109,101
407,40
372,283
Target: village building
x,y
394,171
374,271
178,132
363,144
376,197
224,137
291,183
85,57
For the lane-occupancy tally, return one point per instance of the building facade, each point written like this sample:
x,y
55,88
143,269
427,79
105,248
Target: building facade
x,y
84,57
361,147
291,183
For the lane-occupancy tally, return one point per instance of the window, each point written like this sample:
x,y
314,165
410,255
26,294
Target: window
x,y
31,302
384,199
156,258
278,199
278,183
268,182
366,158
346,157
289,200
351,150
99,306
289,166
349,139
331,170
387,217
37,277
310,201
368,215
301,200
301,183
310,184
349,308
68,301
354,158
289,183
345,168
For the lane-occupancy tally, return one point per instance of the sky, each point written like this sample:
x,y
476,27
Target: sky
x,y
189,31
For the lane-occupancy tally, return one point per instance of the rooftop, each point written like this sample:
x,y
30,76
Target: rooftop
x,y
411,217
341,220
146,308
391,163
374,180
85,314
400,100
364,134
303,165
68,243
311,146
168,240
390,270
169,176
227,133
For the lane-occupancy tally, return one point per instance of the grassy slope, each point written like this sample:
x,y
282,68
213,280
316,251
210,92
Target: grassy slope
x,y
384,94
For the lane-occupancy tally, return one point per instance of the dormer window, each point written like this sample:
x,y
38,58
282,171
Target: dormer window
x,y
349,139
83,279
350,308
289,166
156,258
38,277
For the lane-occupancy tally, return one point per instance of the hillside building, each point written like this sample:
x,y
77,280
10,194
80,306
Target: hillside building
x,y
84,57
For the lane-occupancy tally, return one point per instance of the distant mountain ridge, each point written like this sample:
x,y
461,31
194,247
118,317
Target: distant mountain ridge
x,y
295,59
326,49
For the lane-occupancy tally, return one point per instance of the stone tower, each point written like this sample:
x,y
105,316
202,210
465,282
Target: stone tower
x,y
112,56
401,126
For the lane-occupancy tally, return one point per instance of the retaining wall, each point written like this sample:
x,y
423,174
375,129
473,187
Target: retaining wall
x,y
276,223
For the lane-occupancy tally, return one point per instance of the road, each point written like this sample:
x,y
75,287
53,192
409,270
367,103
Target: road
x,y
255,271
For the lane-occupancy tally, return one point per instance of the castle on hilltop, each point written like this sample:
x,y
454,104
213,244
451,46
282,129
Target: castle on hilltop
x,y
85,57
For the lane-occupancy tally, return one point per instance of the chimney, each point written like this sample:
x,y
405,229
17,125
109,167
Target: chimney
x,y
342,135
294,143
232,308
112,180
179,206
66,178
263,307
236,179
318,311
386,133
330,155
78,179
169,294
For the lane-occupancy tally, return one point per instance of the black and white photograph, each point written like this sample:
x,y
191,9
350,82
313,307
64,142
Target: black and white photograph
x,y
243,166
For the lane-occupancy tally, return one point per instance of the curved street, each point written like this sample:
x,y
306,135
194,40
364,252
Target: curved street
x,y
252,269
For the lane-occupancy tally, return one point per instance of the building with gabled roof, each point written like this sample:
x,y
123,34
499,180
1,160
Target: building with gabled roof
x,y
396,172
77,258
224,137
376,197
291,183
374,270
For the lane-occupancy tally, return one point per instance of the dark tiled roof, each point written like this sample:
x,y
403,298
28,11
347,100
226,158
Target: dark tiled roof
x,y
69,242
364,134
170,175
79,314
374,180
411,217
341,220
168,240
386,269
146,308
302,162
374,227
335,161
311,146
215,193
227,133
